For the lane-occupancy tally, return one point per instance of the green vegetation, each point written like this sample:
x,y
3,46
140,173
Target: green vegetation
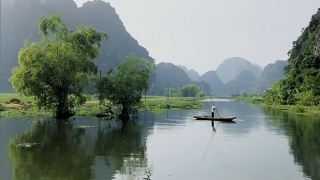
x,y
54,74
190,90
56,70
18,22
297,109
92,107
124,85
171,92
5,97
159,103
302,81
299,91
251,99
292,109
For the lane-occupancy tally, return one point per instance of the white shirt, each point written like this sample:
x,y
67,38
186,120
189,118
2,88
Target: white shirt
x,y
213,108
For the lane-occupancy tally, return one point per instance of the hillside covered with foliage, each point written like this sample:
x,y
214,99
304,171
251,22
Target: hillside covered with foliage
x,y
302,82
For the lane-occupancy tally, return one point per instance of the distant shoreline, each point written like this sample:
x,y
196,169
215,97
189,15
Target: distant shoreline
x,y
27,106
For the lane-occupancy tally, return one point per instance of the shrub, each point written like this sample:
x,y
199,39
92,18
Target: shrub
x,y
15,101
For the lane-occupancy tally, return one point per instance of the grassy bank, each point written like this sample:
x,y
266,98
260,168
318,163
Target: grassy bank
x,y
252,100
27,106
156,103
5,97
297,109
293,109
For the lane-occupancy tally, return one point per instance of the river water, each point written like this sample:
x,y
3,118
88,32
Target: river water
x,y
261,144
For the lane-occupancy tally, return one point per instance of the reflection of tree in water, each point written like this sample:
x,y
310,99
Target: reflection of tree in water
x,y
62,152
303,132
68,152
124,147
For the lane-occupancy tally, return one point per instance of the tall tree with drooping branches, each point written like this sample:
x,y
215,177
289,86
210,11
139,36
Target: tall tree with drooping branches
x,y
56,69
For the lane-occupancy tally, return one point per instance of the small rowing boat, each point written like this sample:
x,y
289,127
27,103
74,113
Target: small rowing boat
x,y
216,118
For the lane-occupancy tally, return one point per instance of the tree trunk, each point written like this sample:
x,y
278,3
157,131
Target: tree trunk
x,y
62,111
124,116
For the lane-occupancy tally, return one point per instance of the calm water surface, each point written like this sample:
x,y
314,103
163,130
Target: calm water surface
x,y
261,145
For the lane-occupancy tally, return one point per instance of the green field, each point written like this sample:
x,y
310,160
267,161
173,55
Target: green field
x,y
5,97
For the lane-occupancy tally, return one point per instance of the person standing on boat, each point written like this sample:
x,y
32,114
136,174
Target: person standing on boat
x,y
214,108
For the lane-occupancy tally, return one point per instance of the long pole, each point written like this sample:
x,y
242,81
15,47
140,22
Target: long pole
x,y
210,96
167,91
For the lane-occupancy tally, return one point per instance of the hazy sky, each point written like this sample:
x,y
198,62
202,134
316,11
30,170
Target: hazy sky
x,y
200,34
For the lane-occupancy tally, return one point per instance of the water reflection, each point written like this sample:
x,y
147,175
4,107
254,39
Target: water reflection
x,y
303,132
170,144
70,150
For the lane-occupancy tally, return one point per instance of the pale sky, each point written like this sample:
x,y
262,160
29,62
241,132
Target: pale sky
x,y
200,34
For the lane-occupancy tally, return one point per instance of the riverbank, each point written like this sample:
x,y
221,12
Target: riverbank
x,y
14,105
293,109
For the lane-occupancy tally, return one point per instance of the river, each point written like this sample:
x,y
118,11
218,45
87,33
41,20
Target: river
x,y
261,144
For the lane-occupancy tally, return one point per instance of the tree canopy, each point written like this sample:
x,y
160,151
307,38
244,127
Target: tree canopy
x,y
125,84
55,70
189,90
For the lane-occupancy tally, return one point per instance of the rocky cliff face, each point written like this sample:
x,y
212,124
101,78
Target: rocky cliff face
x,y
316,48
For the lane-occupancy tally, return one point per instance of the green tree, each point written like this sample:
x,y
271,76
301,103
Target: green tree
x,y
125,84
243,93
55,70
189,90
276,94
171,91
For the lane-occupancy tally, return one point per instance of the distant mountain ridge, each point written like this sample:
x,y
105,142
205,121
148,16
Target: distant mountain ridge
x,y
271,73
193,74
243,78
212,78
232,67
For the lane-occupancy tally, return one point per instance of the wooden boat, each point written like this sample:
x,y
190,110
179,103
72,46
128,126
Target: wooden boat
x,y
216,118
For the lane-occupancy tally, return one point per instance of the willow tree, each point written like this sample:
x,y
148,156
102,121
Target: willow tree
x,y
125,84
55,70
